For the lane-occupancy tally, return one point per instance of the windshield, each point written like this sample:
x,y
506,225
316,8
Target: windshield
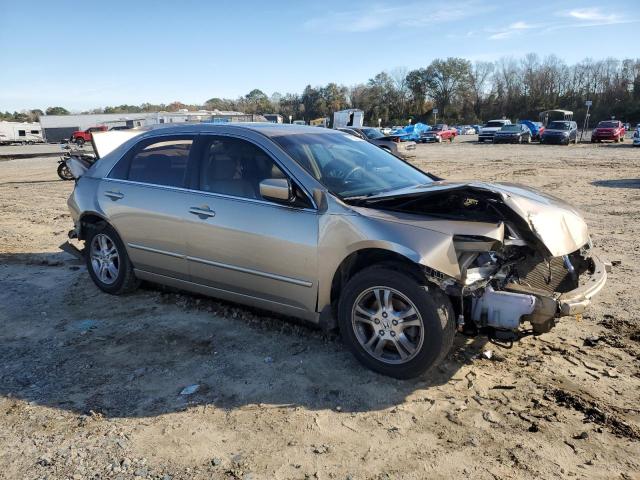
x,y
372,133
510,128
608,125
439,127
494,124
349,166
560,126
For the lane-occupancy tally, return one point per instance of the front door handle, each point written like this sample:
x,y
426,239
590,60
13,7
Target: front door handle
x,y
113,195
202,212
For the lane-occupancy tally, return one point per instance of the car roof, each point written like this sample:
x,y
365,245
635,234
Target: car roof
x,y
266,128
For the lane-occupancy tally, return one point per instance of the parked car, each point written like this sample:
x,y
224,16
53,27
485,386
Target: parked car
x,y
439,133
386,130
627,127
390,144
610,130
536,128
636,137
314,223
467,130
490,128
560,132
513,134
80,137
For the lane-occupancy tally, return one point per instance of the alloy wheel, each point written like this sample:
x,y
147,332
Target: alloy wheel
x,y
105,260
387,325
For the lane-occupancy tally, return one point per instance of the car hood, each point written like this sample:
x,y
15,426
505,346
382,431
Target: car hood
x,y
553,130
556,224
490,129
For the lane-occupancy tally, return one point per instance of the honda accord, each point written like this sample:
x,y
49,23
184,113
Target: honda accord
x,y
322,225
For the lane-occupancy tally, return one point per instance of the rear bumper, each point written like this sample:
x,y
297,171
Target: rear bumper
x,y
576,301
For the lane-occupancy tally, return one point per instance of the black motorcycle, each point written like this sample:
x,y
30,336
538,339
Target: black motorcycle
x,y
73,164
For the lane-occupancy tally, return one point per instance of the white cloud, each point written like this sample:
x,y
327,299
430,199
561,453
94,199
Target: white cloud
x,y
379,16
512,30
593,16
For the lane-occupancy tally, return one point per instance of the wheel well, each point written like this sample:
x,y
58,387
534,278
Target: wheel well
x,y
362,259
87,222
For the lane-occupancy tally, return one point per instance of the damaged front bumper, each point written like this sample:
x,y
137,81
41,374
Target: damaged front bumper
x,y
576,301
546,307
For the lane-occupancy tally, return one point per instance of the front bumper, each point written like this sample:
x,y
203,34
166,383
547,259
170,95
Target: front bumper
x,y
505,139
576,301
431,139
556,139
605,136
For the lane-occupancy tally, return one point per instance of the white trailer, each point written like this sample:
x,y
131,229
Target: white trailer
x,y
348,118
20,132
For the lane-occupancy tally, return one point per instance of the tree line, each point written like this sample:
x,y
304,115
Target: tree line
x,y
461,91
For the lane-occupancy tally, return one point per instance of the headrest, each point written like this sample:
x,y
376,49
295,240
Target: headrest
x,y
224,168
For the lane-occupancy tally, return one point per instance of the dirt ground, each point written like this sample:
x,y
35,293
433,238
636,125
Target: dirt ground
x,y
90,384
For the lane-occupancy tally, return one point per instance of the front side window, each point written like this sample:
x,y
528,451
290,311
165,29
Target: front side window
x,y
349,166
235,167
163,162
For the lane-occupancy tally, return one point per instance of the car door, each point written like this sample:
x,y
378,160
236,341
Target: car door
x,y
246,247
145,200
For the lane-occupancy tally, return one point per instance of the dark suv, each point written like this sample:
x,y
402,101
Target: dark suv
x,y
562,132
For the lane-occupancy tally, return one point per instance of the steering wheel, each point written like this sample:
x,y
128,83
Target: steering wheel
x,y
350,173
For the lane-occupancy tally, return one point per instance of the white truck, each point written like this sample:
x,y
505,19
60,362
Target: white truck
x,y
348,118
490,128
20,132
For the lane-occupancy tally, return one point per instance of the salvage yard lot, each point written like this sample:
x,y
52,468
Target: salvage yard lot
x,y
90,384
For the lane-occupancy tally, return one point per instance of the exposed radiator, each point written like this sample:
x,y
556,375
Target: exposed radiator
x,y
550,276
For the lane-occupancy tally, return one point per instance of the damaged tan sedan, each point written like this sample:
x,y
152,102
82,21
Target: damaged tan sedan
x,y
321,225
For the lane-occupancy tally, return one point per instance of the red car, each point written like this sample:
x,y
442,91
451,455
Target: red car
x,y
81,136
608,130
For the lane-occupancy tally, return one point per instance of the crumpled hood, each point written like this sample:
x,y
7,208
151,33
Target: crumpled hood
x,y
558,225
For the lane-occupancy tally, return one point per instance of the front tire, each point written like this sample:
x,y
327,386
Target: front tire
x,y
80,142
107,261
393,324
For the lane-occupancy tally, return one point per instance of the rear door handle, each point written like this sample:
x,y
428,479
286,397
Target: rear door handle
x,y
202,212
113,195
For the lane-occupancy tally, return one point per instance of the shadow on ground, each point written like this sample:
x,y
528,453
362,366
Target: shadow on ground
x,y
618,183
67,345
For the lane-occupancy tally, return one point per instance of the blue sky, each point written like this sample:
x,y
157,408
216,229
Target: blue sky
x,y
89,54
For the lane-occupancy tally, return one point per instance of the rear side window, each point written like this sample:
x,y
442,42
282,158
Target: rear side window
x,y
163,162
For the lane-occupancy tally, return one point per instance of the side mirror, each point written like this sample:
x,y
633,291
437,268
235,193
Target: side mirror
x,y
276,189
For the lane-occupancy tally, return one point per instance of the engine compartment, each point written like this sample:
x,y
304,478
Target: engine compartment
x,y
503,283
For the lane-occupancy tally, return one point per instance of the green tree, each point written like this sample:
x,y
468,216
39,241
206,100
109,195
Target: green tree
x,y
446,79
57,111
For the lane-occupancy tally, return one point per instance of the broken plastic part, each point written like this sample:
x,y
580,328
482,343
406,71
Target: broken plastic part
x,y
501,310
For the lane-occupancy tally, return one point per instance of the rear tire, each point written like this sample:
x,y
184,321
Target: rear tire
x,y
107,261
398,352
64,173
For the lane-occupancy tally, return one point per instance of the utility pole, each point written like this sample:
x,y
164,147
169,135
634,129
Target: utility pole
x,y
435,116
588,103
